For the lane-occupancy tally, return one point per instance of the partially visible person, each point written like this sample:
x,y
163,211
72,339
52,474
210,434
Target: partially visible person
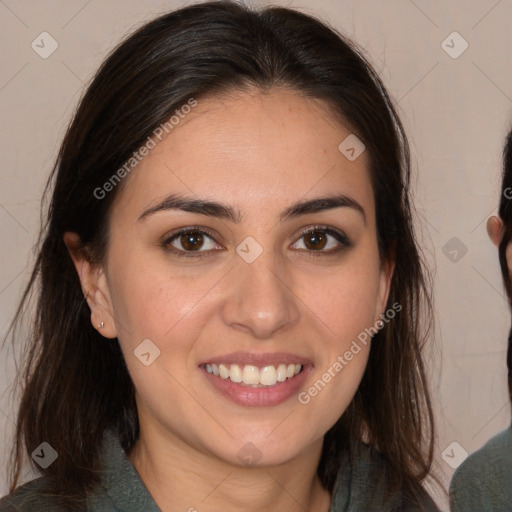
x,y
484,481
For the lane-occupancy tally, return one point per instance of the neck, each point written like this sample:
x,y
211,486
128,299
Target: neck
x,y
180,477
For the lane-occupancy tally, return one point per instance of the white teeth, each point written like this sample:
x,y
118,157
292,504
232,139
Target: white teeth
x,y
251,375
235,374
223,371
281,373
268,376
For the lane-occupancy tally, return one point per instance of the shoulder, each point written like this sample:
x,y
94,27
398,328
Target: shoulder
x,y
40,495
120,488
34,495
361,485
484,478
488,464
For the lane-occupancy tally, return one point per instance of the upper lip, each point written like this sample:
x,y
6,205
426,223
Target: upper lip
x,y
261,359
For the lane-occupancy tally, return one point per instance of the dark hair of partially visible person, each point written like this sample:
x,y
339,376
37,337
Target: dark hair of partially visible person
x,y
75,385
505,213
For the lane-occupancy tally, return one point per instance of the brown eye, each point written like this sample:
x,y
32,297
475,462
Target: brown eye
x,y
315,240
192,241
321,240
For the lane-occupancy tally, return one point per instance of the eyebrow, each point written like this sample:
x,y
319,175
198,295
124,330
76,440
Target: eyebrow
x,y
220,211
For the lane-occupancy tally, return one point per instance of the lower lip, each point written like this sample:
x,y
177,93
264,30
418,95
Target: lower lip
x,y
258,397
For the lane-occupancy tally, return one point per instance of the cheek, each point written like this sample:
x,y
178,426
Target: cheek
x,y
153,302
333,387
344,300
172,312
343,306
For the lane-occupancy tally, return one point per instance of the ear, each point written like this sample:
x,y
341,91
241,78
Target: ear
x,y
495,229
386,275
94,285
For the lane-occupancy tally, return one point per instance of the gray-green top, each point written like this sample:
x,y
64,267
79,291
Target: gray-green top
x,y
358,488
483,482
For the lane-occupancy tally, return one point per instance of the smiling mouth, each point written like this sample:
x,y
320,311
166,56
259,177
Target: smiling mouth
x,y
254,376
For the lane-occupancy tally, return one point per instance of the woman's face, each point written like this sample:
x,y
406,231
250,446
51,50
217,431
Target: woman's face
x,y
270,275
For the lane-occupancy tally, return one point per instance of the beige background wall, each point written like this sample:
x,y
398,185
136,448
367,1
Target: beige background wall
x,y
456,112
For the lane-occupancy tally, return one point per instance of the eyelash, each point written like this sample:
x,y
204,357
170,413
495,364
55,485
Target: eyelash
x,y
338,235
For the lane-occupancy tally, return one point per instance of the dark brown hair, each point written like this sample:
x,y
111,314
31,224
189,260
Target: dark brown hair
x,y
75,384
505,213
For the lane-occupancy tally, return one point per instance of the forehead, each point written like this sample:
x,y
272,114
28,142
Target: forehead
x,y
253,148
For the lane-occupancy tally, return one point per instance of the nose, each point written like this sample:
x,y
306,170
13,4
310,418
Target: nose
x,y
260,300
